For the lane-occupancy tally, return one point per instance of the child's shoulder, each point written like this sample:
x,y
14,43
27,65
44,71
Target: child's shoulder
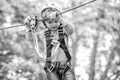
x,y
68,26
66,22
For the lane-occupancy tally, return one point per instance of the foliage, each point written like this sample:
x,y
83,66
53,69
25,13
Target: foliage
x,y
102,17
20,69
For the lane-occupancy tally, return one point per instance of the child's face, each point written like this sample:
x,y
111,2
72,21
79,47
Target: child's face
x,y
53,25
52,22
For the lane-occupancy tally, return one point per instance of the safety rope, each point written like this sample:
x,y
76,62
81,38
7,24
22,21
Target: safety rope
x,y
35,40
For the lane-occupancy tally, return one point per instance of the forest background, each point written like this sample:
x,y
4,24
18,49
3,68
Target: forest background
x,y
95,44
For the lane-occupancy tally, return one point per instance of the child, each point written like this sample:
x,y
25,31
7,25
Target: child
x,y
58,60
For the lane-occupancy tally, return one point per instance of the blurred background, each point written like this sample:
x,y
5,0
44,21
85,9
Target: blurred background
x,y
95,44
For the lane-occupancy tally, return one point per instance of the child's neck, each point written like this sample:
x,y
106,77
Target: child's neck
x,y
54,31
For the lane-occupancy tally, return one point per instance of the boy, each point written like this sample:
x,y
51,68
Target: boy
x,y
58,60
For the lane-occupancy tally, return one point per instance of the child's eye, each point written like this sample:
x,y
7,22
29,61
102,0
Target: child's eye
x,y
55,21
50,22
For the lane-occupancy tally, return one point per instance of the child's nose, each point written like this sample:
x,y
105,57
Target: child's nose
x,y
54,23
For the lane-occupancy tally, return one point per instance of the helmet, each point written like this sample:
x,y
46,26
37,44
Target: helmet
x,y
48,8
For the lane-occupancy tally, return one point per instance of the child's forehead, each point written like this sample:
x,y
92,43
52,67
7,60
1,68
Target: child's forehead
x,y
50,20
49,9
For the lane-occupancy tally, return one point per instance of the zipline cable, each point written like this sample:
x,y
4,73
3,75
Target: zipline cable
x,y
77,6
12,26
58,14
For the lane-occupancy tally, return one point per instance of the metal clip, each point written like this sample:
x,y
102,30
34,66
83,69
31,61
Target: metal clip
x,y
50,69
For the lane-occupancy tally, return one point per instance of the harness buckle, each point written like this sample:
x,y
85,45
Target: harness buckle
x,y
55,42
50,69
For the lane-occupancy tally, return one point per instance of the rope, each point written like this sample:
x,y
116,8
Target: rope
x,y
58,15
35,40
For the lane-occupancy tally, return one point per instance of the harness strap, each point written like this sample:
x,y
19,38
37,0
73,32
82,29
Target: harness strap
x,y
48,45
63,44
65,49
44,24
61,70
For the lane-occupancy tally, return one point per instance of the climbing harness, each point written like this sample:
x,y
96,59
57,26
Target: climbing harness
x,y
56,67
60,40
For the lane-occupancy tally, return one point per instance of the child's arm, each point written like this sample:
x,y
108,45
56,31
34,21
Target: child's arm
x,y
40,38
68,26
28,36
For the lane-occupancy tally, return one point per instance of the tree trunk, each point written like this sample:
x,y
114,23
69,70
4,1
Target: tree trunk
x,y
93,58
108,65
74,55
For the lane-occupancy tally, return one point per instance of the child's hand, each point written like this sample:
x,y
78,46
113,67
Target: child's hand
x,y
30,21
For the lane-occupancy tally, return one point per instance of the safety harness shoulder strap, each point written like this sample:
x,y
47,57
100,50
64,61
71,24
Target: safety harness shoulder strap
x,y
61,40
49,46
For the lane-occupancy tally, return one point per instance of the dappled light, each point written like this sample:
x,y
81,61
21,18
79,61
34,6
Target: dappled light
x,y
94,44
